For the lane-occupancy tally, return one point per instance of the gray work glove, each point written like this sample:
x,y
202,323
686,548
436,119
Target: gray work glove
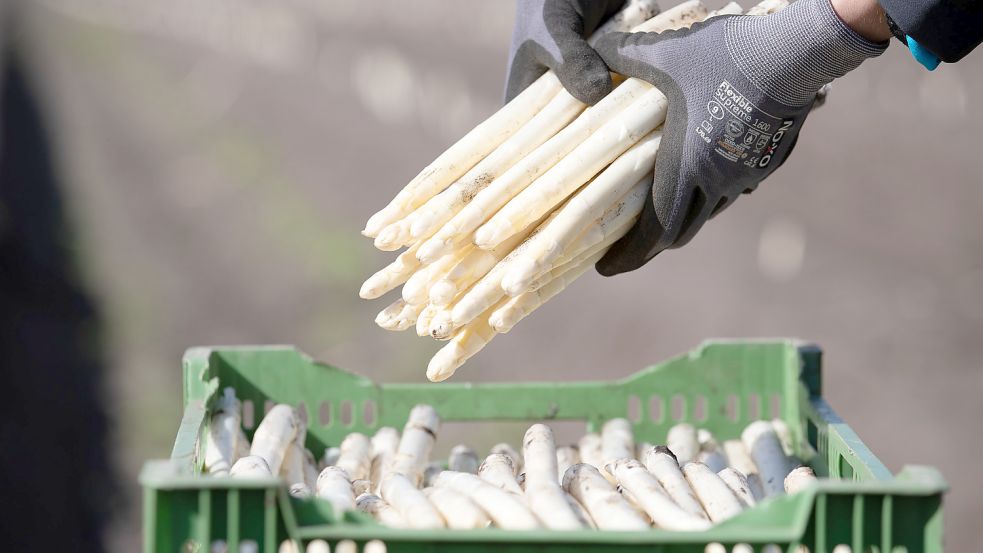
x,y
739,88
551,34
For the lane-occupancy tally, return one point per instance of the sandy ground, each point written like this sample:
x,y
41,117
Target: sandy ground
x,y
221,157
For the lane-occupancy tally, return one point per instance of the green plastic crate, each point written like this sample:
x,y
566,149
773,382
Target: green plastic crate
x,y
722,386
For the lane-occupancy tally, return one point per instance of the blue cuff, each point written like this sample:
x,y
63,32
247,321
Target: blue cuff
x,y
923,56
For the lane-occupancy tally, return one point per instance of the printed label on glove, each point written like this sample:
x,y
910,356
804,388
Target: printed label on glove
x,y
740,131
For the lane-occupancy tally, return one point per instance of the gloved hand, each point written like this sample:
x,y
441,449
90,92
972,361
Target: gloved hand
x,y
739,88
550,34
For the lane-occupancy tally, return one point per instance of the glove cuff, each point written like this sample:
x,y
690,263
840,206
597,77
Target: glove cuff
x,y
789,55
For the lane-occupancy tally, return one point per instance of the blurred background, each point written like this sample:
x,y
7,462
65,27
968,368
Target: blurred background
x,y
217,159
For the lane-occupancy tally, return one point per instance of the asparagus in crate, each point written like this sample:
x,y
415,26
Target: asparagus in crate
x,y
599,484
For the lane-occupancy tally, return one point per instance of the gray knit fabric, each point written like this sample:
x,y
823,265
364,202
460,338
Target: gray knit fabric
x,y
739,89
792,53
550,34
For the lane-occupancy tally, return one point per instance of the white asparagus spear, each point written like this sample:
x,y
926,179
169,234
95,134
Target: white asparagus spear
x,y
768,7
346,546
663,465
488,290
334,486
399,315
608,508
677,17
417,288
784,434
402,493
383,512
223,434
433,469
590,450
467,152
544,287
756,488
457,509
762,443
274,434
634,13
463,459
506,449
617,442
505,509
681,440
472,267
242,445
496,129
493,197
356,456
799,479
361,486
588,204
521,480
738,457
250,466
711,454
585,520
310,469
565,456
597,236
465,342
425,320
318,546
497,469
429,217
510,312
392,275
732,8
300,490
713,459
519,176
575,169
288,546
717,499
292,468
416,443
648,494
542,488
374,546
385,442
441,324
738,484
330,457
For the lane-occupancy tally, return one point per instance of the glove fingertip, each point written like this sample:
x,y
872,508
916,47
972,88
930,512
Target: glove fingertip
x,y
590,88
586,76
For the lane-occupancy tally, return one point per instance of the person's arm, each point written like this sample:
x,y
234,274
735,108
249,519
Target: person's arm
x,y
946,29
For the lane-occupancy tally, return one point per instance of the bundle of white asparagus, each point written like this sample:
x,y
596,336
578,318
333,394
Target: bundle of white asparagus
x,y
606,481
524,204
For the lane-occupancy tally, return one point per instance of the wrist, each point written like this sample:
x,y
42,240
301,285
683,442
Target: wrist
x,y
865,17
